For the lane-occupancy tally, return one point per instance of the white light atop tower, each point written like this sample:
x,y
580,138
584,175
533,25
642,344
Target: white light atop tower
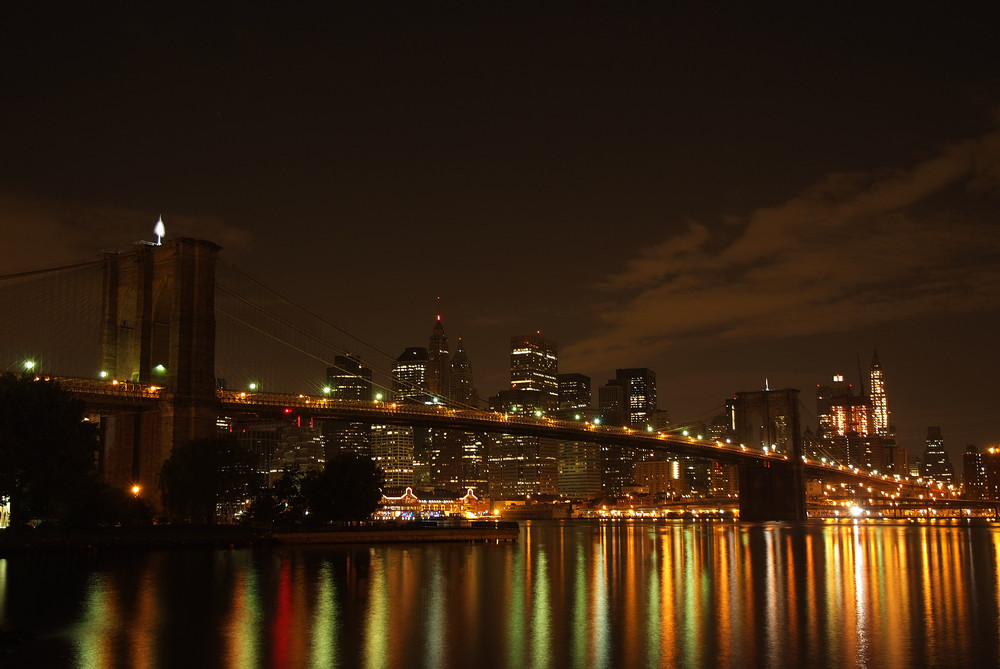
x,y
159,231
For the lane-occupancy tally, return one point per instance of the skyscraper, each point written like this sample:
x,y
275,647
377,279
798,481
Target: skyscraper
x,y
574,391
973,474
639,384
348,379
461,388
534,365
461,463
937,465
439,362
880,403
410,376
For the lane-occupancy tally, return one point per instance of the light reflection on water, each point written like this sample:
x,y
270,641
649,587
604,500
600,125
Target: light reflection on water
x,y
568,594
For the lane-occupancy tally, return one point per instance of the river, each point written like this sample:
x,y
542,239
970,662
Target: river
x,y
567,594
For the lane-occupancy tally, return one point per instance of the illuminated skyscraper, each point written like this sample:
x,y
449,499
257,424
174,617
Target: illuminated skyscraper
x,y
639,384
410,376
534,365
438,362
880,404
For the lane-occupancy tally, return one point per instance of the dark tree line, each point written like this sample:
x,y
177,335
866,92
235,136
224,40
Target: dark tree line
x,y
207,475
48,460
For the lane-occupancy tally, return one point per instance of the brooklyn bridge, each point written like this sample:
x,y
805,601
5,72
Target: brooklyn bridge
x,y
146,337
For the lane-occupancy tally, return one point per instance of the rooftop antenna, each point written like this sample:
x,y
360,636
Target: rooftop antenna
x,y
767,386
159,231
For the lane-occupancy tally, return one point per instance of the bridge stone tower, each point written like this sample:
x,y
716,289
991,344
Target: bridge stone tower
x,y
158,328
771,490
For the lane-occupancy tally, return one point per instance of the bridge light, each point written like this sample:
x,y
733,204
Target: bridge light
x,y
252,386
378,397
160,369
29,365
538,413
326,390
136,489
597,421
104,374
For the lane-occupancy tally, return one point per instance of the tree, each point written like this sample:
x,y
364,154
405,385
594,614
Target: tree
x,y
204,473
48,450
348,489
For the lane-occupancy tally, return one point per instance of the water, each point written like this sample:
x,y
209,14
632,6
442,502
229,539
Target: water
x,y
568,594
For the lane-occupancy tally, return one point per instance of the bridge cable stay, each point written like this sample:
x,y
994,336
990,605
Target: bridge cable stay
x,y
271,315
289,326
51,320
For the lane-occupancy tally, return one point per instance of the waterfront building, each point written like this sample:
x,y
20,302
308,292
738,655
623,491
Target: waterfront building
x,y
519,465
301,447
392,450
660,477
579,470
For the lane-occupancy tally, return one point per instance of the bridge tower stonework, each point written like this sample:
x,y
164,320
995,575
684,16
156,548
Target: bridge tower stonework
x,y
771,490
158,328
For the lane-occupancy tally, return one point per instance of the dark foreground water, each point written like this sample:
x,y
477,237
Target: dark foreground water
x,y
568,594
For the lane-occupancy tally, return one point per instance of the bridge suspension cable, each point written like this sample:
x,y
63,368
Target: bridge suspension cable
x,y
51,319
278,328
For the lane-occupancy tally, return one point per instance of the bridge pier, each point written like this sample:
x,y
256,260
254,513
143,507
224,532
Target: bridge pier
x,y
771,490
158,328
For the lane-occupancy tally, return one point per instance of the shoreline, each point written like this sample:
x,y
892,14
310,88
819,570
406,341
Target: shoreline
x,y
164,537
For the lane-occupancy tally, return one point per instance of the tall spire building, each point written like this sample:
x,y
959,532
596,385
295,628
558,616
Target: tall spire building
x,y
439,362
880,403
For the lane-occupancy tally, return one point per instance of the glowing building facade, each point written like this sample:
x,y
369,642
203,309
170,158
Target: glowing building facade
x,y
534,365
880,403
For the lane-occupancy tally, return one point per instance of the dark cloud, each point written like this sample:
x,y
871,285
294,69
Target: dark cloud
x,y
852,251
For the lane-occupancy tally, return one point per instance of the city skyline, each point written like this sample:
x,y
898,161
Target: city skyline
x,y
726,196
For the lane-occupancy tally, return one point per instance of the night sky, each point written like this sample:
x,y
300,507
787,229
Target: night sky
x,y
725,193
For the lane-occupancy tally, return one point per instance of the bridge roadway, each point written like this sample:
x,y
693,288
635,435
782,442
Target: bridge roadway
x,y
104,394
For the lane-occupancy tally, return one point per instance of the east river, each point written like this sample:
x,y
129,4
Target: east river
x,y
567,594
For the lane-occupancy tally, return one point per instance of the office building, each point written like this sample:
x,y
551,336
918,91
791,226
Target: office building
x,y
534,365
